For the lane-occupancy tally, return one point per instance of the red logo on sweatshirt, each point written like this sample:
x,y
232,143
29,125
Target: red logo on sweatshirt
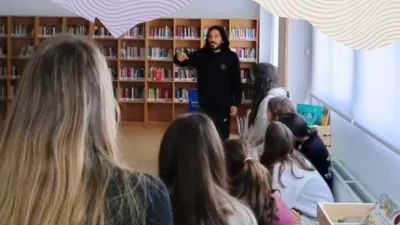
x,y
223,66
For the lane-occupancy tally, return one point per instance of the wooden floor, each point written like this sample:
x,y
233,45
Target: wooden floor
x,y
139,147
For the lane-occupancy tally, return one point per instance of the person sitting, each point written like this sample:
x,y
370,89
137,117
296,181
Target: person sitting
x,y
192,165
300,185
310,144
266,86
251,182
59,156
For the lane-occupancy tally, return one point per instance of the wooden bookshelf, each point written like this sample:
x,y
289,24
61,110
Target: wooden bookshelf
x,y
135,59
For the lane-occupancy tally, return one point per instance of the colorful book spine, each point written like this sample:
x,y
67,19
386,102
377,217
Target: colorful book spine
x,y
160,74
135,32
132,94
187,32
101,32
22,30
132,73
108,51
245,54
161,32
160,53
243,33
181,95
80,30
185,74
49,30
159,94
132,52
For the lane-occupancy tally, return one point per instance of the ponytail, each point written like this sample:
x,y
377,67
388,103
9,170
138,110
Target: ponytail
x,y
312,131
250,182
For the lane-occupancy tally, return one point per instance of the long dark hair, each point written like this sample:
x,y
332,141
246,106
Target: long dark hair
x,y
250,181
224,36
298,125
279,148
279,105
192,165
266,78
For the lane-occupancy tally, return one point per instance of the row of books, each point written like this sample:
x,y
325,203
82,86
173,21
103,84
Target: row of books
x,y
132,52
26,50
22,30
131,73
190,32
161,32
101,32
3,50
159,53
108,52
135,32
242,33
159,94
131,94
245,53
160,74
49,30
205,31
79,30
3,29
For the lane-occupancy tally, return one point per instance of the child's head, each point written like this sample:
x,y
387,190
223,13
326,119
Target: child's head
x,y
298,125
250,181
192,165
279,148
278,105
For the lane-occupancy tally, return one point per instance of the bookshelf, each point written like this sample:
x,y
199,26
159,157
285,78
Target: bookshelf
x,y
150,89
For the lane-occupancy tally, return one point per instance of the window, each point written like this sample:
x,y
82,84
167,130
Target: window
x,y
362,85
275,42
333,66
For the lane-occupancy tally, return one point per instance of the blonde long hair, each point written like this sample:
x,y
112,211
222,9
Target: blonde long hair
x,y
57,149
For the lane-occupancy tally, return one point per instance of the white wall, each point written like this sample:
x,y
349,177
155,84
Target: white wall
x,y
197,9
299,64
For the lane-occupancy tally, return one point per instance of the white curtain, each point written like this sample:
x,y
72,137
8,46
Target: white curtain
x,y
364,86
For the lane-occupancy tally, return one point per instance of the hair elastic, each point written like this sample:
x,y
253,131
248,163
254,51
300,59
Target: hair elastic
x,y
247,159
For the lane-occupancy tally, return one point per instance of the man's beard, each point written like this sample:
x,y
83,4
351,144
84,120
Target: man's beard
x,y
217,47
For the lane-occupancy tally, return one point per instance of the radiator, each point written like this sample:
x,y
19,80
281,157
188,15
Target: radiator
x,y
346,188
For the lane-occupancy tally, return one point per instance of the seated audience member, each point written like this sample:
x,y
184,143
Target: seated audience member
x,y
192,165
278,106
310,144
58,147
300,185
266,86
252,183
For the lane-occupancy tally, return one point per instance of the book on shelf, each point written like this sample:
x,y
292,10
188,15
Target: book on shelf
x,y
246,97
26,50
101,32
132,94
3,91
187,32
135,32
311,113
3,50
160,74
325,119
185,74
49,30
3,30
187,51
23,30
160,53
113,73
131,73
245,54
165,32
3,71
80,30
132,52
245,75
243,33
15,71
159,95
108,51
385,211
181,95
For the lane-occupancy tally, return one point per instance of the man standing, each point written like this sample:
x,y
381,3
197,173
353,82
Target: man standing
x,y
219,84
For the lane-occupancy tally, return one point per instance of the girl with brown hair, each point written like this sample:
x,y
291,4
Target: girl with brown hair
x,y
277,106
58,148
192,165
251,182
300,185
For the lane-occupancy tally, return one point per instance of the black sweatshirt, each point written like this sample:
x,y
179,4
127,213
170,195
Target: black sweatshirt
x,y
219,84
151,193
316,152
